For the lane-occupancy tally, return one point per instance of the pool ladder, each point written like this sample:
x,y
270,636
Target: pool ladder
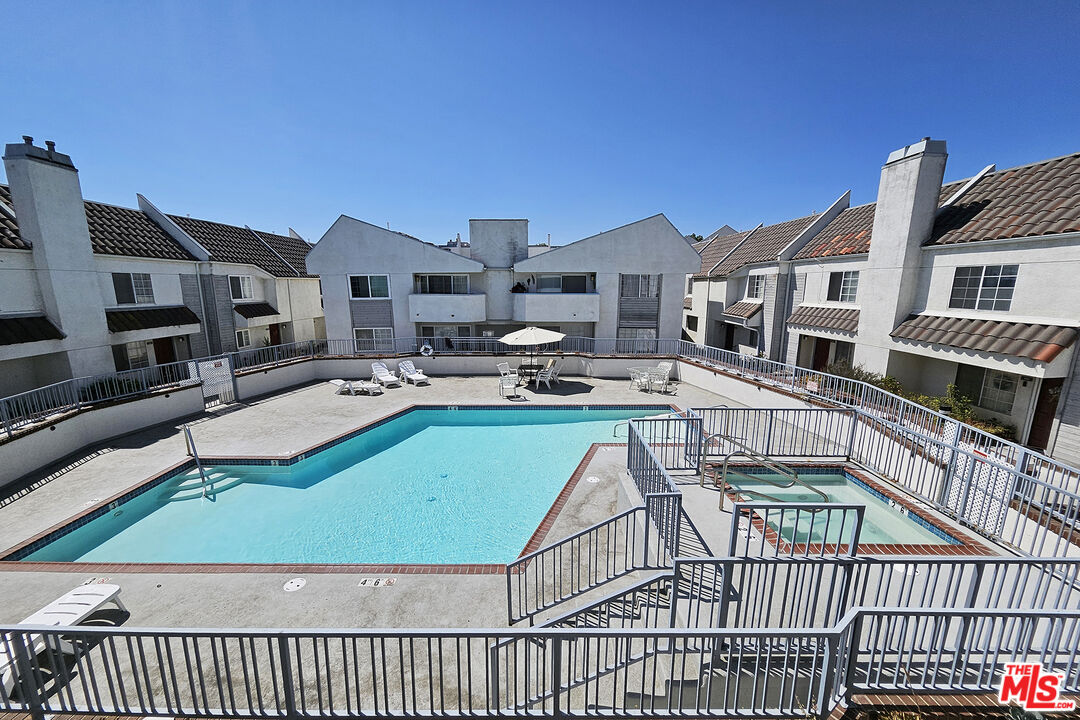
x,y
743,450
191,450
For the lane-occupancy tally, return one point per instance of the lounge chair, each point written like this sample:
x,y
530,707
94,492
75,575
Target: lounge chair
x,y
409,373
508,382
68,610
384,377
343,387
355,387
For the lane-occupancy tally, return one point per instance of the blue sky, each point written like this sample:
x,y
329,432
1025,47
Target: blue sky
x,y
578,116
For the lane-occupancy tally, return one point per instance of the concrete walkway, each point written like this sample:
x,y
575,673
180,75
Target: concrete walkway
x,y
280,425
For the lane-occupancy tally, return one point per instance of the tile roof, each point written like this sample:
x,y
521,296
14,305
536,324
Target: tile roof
x,y
847,234
9,228
293,250
715,251
122,320
745,309
722,231
232,244
1038,199
254,310
763,245
688,302
1025,340
825,317
123,231
24,329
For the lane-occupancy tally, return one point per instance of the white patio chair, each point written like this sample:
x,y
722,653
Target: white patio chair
x,y
508,382
67,610
365,386
409,373
544,376
660,376
384,377
505,371
638,378
556,370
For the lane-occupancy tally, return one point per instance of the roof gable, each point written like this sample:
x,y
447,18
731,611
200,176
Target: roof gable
x,y
352,245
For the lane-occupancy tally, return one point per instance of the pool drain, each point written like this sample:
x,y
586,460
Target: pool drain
x,y
295,584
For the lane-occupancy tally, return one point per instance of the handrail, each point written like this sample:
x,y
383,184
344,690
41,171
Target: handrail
x,y
193,451
763,460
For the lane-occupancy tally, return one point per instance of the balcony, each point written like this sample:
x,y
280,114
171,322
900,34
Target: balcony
x,y
535,308
433,308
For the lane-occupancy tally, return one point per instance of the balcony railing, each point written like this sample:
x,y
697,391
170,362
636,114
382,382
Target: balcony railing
x,y
535,308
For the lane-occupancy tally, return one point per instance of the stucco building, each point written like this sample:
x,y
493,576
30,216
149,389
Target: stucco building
x,y
624,283
91,288
966,283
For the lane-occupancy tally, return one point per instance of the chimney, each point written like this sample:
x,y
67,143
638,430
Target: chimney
x,y
48,202
908,198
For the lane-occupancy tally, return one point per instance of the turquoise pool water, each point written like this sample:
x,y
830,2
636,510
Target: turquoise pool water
x,y
431,486
882,523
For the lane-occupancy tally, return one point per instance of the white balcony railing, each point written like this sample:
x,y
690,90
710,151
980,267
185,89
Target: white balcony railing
x,y
556,307
460,309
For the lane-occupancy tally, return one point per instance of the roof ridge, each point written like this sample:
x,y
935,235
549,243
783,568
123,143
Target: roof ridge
x,y
271,249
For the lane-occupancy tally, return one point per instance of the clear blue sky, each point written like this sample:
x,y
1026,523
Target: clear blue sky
x,y
580,116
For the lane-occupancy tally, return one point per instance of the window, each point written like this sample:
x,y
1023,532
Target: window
x,y
637,333
990,389
132,288
691,323
240,286
980,287
439,284
843,286
561,283
639,286
373,338
243,338
362,287
755,286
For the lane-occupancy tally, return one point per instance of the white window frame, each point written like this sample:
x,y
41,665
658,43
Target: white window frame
x,y
367,279
992,291
848,292
555,288
651,283
378,335
996,394
243,339
246,292
423,282
143,296
755,286
141,356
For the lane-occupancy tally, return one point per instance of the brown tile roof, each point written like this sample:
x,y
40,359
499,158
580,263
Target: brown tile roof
x,y
828,318
745,309
847,234
1038,199
254,310
125,319
232,244
9,228
1025,340
293,250
123,231
24,329
688,302
763,244
715,251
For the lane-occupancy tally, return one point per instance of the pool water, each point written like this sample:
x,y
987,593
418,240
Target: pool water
x,y
882,523
430,486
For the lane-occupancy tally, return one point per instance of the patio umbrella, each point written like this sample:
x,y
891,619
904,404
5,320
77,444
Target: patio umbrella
x,y
532,336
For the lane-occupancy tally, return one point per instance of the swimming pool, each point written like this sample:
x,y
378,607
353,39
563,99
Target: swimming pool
x,y
428,486
885,521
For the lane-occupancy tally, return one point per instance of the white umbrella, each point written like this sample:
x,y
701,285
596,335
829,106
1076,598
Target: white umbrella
x,y
532,336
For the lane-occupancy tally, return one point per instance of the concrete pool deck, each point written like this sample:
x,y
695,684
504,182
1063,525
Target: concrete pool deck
x,y
283,424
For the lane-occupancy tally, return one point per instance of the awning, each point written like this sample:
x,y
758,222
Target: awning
x,y
825,318
27,328
148,318
743,310
1033,341
254,310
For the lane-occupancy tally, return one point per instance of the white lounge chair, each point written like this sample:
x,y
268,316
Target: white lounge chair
x,y
355,387
409,373
508,382
70,609
343,387
384,377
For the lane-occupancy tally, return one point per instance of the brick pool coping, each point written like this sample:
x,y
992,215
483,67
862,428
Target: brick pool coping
x,y
967,545
7,563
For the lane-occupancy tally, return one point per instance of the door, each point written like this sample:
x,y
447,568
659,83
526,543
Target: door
x,y
1045,410
729,336
275,333
164,352
821,354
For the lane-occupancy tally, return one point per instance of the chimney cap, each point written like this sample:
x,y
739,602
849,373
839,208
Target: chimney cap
x,y
51,145
29,140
